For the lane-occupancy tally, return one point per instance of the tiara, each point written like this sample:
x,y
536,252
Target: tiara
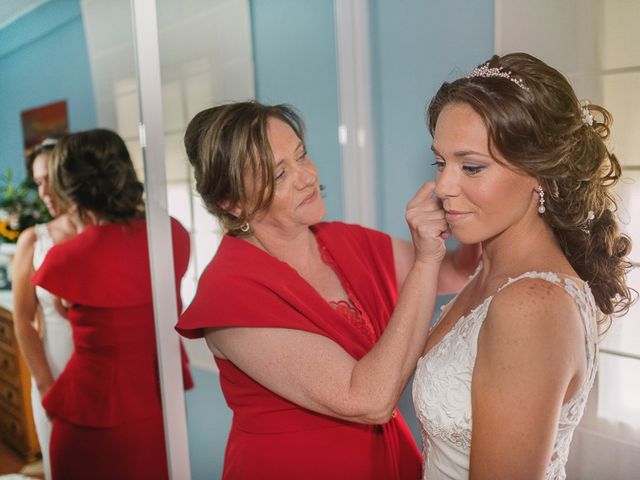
x,y
585,114
49,142
486,71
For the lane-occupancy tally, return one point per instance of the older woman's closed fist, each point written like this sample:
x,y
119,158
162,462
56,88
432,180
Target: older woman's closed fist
x,y
426,220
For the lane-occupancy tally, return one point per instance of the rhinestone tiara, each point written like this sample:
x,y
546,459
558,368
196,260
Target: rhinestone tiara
x,y
486,71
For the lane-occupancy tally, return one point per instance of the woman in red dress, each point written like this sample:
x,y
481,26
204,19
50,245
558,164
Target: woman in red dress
x,y
105,405
303,318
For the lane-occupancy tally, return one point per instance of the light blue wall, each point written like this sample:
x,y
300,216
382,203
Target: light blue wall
x,y
43,59
416,45
208,423
295,62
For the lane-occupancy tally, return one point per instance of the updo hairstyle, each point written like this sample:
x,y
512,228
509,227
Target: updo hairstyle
x,y
93,171
535,121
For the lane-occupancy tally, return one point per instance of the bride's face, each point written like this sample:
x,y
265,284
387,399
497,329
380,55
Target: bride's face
x,y
40,170
482,197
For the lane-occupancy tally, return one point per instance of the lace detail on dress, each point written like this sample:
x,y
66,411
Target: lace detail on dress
x,y
41,245
353,316
350,310
442,388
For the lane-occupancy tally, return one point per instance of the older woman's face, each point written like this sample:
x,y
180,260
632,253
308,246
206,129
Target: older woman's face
x,y
40,170
296,200
482,198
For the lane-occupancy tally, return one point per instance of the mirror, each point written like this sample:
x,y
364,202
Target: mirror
x,y
82,53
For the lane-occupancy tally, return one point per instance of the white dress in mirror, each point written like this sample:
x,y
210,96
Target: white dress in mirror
x,y
442,388
56,340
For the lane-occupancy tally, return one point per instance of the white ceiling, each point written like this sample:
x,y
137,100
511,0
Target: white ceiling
x,y
11,10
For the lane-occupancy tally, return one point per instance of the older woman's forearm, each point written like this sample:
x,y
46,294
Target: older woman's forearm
x,y
378,379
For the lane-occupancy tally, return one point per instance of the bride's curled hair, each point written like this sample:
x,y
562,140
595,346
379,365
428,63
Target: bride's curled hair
x,y
540,127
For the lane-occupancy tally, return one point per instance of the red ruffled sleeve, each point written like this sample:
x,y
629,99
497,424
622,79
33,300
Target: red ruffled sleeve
x,y
244,286
100,266
231,295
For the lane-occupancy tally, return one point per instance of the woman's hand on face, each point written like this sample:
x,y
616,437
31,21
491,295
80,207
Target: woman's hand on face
x,y
429,229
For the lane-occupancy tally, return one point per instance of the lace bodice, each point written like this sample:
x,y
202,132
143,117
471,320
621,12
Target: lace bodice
x,y
442,388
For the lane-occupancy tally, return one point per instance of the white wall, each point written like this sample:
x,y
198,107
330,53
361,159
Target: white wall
x,y
564,34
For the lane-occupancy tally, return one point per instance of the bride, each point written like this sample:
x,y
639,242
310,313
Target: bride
x,y
522,167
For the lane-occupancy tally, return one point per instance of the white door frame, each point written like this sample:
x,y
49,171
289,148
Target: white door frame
x,y
356,119
145,26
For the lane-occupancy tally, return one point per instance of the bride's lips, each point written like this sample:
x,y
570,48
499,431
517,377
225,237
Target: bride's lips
x,y
453,216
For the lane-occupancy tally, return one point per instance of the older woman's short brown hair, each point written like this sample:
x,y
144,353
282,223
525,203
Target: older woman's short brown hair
x,y
228,144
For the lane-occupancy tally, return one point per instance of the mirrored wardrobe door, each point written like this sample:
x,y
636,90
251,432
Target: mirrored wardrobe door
x,y
205,58
80,53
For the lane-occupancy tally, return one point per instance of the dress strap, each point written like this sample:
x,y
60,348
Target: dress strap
x,y
42,244
576,289
444,309
548,276
41,229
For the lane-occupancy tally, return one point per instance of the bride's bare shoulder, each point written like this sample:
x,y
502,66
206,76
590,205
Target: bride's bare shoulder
x,y
534,306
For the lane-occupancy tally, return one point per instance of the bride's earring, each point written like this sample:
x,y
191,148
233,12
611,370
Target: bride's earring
x,y
541,208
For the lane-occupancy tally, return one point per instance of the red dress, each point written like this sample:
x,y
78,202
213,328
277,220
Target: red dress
x,y
105,405
272,438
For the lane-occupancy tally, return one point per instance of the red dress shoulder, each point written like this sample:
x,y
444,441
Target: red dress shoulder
x,y
99,266
270,436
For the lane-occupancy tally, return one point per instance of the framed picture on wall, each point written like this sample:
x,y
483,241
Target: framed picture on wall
x,y
42,122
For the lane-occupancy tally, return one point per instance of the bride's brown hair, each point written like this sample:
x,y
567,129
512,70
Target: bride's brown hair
x,y
536,122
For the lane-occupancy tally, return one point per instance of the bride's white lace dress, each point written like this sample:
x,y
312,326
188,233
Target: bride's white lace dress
x,y
442,389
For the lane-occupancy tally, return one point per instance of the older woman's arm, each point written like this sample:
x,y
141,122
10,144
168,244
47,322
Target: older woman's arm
x,y
315,372
456,268
25,306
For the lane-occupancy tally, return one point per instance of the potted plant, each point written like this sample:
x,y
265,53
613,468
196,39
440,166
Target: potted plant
x,y
20,208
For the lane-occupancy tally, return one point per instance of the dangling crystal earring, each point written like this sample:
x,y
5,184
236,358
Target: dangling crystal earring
x,y
541,208
245,227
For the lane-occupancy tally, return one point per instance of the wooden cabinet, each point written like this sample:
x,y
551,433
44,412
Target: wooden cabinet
x,y
16,419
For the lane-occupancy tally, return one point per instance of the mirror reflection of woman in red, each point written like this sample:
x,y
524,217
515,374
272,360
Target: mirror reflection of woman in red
x,y
105,405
